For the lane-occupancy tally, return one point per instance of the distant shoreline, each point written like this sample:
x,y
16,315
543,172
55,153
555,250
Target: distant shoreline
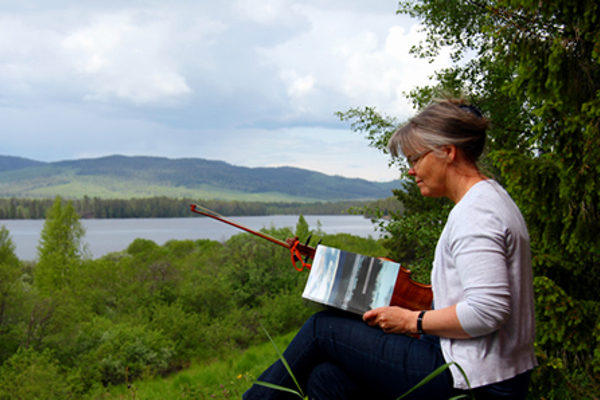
x,y
104,236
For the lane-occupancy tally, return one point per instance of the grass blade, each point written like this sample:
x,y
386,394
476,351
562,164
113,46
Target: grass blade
x,y
287,367
277,387
435,373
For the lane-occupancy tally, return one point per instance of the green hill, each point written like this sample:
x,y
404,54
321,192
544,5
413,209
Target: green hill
x,y
126,177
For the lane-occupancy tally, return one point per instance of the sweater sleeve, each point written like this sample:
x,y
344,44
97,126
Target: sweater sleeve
x,y
479,247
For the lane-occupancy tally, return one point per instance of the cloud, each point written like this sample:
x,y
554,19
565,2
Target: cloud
x,y
126,55
352,60
267,12
246,81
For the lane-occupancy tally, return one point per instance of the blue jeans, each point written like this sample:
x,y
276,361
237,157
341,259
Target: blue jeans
x,y
336,355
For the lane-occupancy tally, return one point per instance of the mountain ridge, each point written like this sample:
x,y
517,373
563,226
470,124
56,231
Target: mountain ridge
x,y
118,176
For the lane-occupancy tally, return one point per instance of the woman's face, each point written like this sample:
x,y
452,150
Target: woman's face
x,y
429,171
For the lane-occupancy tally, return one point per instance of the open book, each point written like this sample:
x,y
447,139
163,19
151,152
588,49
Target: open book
x,y
350,281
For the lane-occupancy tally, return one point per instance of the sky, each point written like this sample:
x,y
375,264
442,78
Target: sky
x,y
253,83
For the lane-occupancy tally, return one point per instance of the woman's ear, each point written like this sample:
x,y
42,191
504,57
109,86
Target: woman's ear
x,y
451,153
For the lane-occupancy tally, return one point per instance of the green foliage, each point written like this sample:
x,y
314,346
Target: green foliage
x,y
366,246
119,353
371,124
7,248
186,330
411,238
254,266
384,208
168,207
299,392
147,311
10,295
532,67
226,378
302,229
119,177
60,248
29,374
284,312
142,247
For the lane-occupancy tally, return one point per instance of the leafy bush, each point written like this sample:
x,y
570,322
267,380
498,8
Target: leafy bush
x,y
285,312
119,353
186,330
147,311
32,375
256,268
142,247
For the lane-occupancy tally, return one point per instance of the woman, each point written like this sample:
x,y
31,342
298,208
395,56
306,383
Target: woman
x,y
482,286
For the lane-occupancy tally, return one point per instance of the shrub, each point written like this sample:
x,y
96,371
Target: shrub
x,y
119,353
186,330
32,375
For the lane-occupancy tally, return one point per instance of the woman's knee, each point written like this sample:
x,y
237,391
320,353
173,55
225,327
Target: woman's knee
x,y
332,320
328,381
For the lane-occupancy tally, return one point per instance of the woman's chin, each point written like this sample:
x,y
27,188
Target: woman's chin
x,y
425,192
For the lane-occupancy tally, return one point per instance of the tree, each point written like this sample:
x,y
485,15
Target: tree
x,y
302,228
532,67
7,248
60,249
10,295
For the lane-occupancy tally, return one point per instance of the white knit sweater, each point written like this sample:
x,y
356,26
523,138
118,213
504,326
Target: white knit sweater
x,y
483,264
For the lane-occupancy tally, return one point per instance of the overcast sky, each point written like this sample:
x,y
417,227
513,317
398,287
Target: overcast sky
x,y
250,82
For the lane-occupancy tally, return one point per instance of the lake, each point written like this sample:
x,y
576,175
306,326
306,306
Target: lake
x,y
109,235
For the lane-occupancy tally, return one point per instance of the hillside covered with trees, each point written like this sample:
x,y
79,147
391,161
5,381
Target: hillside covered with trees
x,y
168,207
121,177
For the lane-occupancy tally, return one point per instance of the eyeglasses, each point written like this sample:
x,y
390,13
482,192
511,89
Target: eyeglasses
x,y
414,159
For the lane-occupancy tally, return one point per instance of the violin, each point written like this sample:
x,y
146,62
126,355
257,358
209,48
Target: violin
x,y
407,292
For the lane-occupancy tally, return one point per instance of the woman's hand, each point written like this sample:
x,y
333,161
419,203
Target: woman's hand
x,y
392,319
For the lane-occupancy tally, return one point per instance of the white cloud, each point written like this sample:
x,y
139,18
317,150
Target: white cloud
x,y
381,71
28,61
353,60
265,11
128,55
297,85
246,81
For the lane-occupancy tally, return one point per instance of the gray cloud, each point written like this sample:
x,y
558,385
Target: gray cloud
x,y
248,82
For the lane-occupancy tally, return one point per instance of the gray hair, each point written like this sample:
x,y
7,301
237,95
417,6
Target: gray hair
x,y
445,122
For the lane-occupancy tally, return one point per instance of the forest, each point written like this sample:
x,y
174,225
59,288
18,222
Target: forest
x,y
167,207
71,327
125,177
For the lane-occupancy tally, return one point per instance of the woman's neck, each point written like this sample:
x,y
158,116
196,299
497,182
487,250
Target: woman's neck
x,y
462,179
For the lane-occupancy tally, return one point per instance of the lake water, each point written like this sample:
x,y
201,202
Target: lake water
x,y
108,235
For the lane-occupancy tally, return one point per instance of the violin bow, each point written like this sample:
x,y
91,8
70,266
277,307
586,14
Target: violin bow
x,y
297,249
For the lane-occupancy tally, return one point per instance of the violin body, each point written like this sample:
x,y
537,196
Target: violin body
x,y
410,294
